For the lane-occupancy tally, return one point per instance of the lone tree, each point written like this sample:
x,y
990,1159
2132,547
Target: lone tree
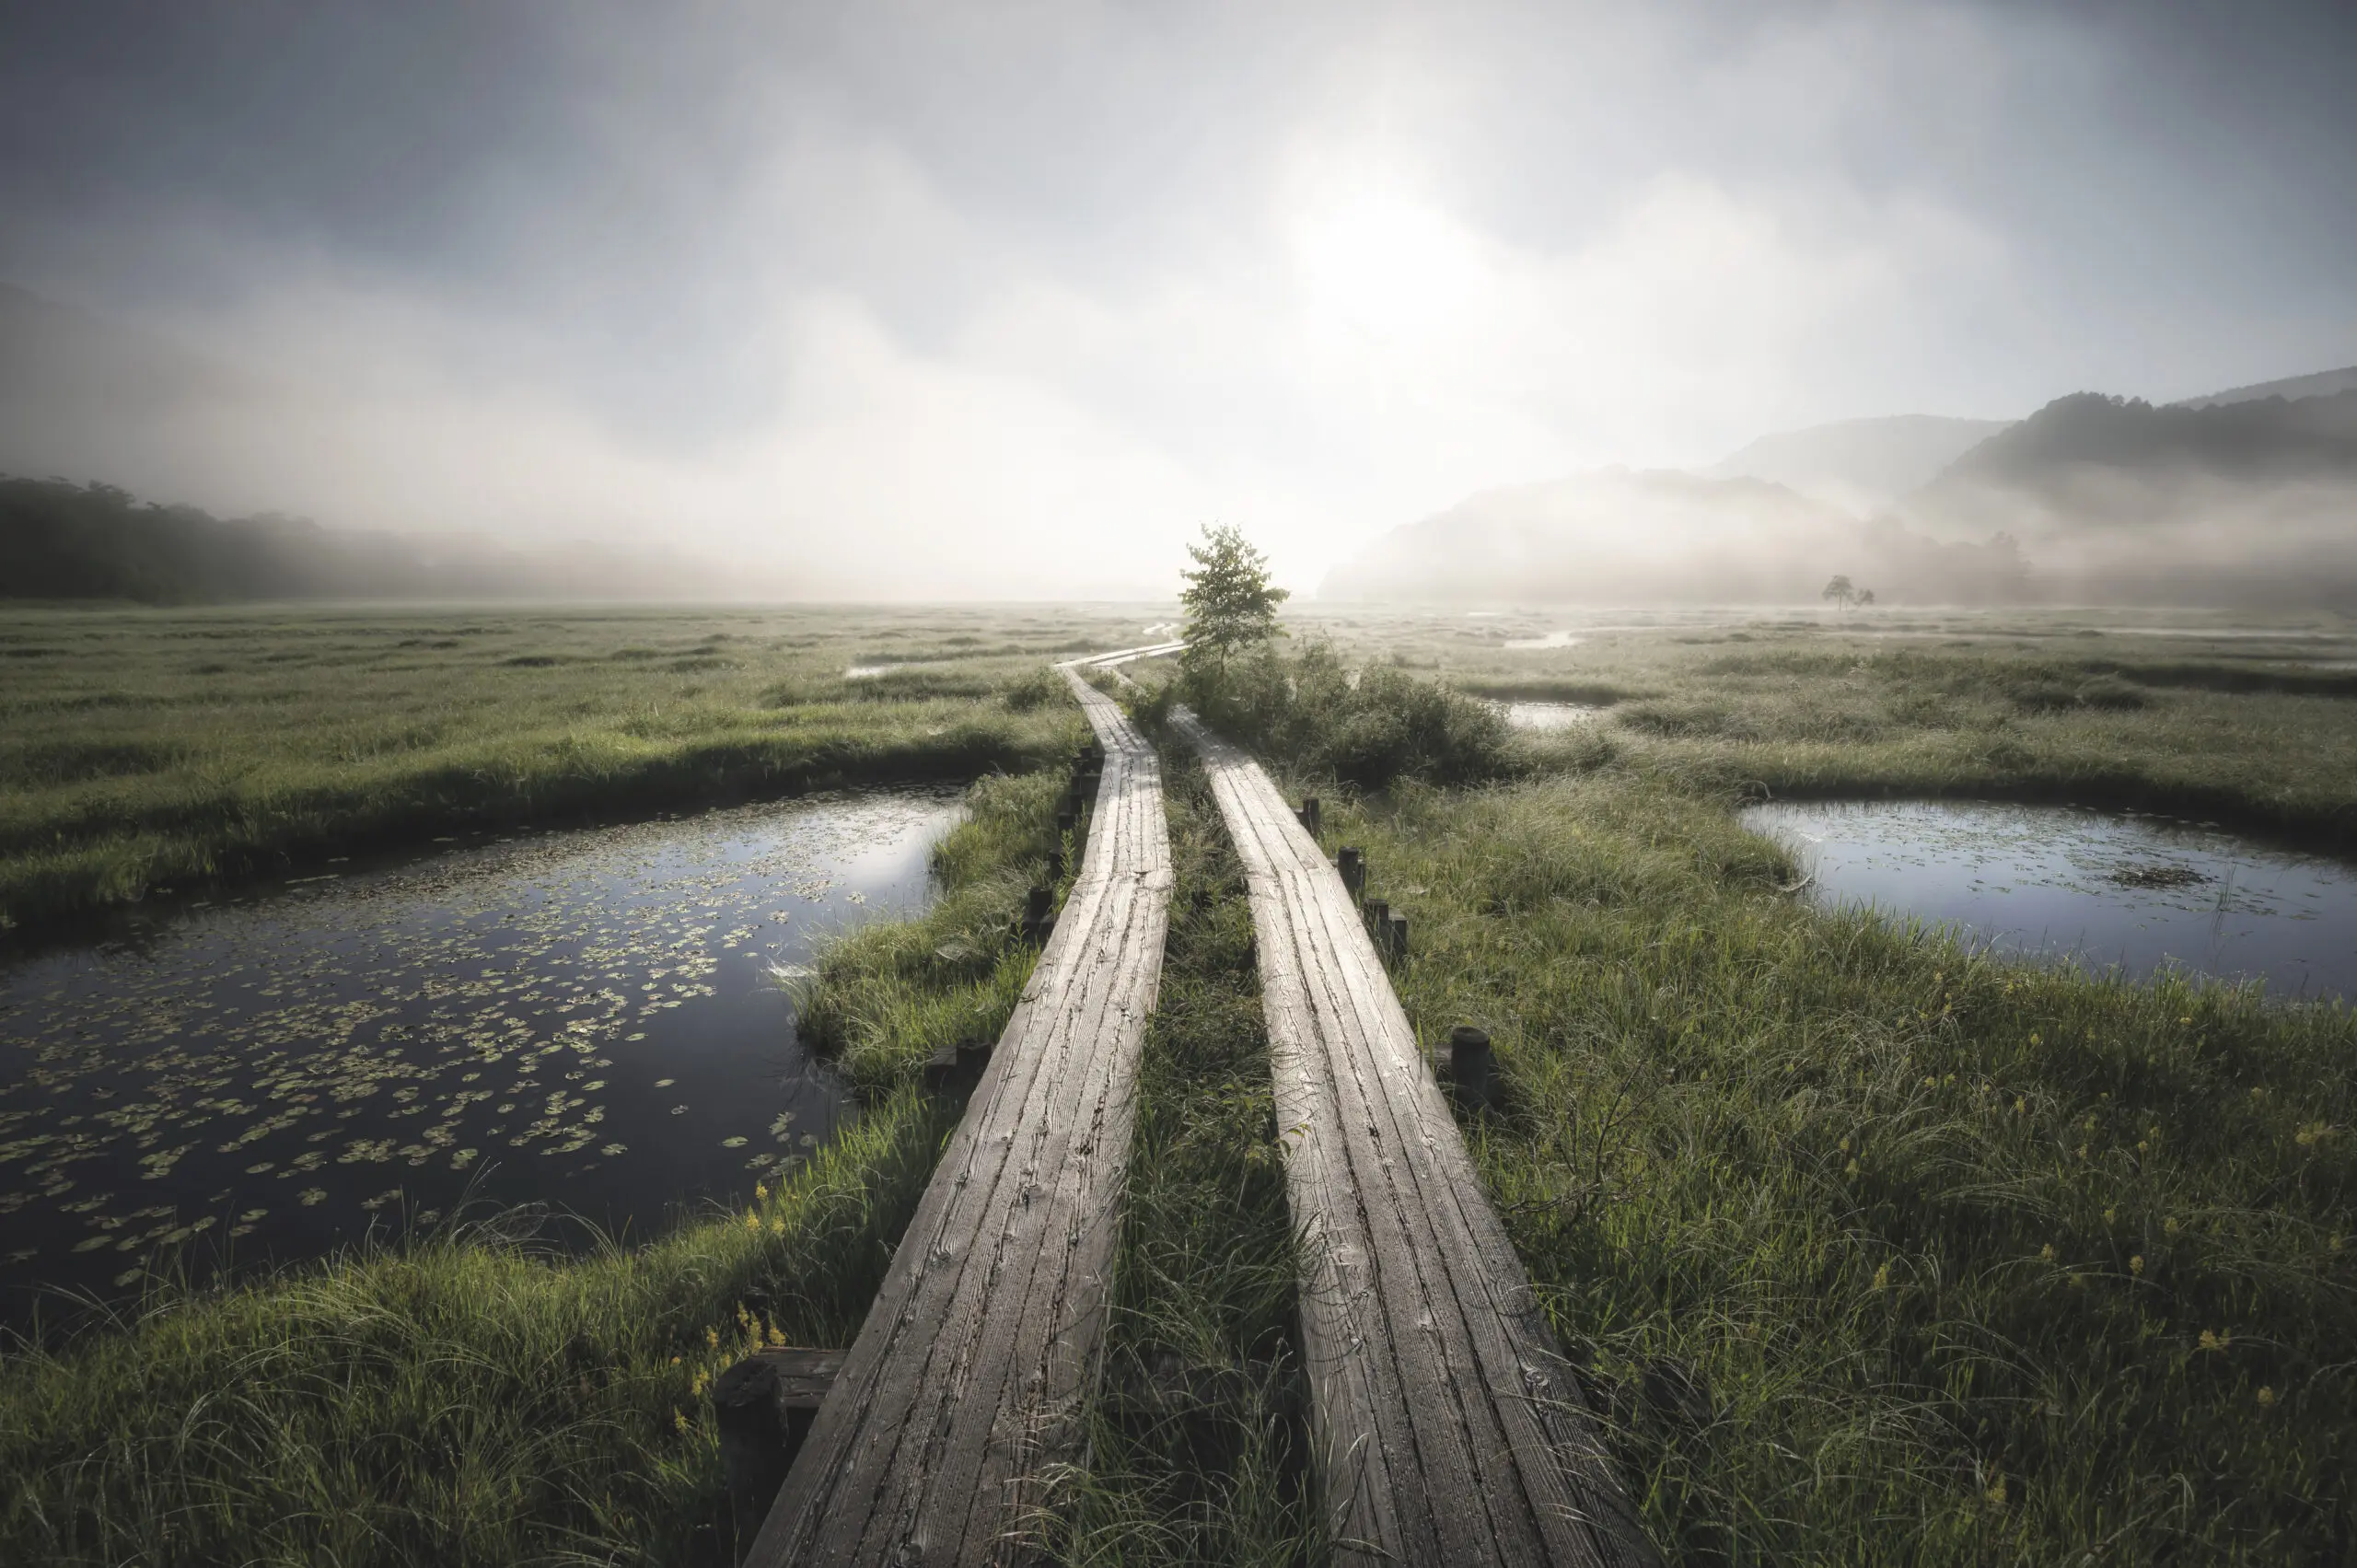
x,y
1842,591
1229,601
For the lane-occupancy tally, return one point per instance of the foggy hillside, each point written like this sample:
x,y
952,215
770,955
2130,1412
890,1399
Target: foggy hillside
x,y
2249,502
80,394
1859,465
1617,536
2323,384
61,541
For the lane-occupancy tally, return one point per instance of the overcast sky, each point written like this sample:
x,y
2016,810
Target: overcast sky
x,y
993,300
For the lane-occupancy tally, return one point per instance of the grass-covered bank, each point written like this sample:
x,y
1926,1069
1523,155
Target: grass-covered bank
x,y
1816,720
1892,1254
2244,722
1197,1449
142,750
468,1400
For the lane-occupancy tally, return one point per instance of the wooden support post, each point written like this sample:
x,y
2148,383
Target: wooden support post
x,y
1378,917
1352,864
1066,819
1469,1066
763,1407
1309,815
1395,934
1039,914
956,1069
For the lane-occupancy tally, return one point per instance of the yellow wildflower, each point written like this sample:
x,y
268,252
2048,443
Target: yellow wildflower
x,y
679,1419
2266,1397
2021,1105
1849,1169
711,1339
2109,1215
2136,1264
1882,1277
761,1190
2046,1253
1845,1145
2036,1039
1997,1493
777,1226
2212,1340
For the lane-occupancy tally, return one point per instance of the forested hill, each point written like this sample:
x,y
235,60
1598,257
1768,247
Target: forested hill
x,y
63,541
2261,439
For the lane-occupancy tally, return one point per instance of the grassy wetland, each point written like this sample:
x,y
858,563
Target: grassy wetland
x,y
1878,1246
498,1385
143,752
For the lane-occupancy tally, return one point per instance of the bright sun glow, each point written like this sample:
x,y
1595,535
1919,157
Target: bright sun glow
x,y
1386,265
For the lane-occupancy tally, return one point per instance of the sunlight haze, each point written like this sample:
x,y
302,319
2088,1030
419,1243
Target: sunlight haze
x,y
928,301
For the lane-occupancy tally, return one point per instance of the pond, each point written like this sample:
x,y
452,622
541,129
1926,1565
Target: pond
x,y
1547,715
2105,888
592,1019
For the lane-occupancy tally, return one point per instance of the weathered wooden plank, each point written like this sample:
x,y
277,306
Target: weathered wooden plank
x,y
1448,1427
971,1368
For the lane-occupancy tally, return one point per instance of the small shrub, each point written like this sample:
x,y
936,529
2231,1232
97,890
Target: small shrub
x,y
1371,727
1035,690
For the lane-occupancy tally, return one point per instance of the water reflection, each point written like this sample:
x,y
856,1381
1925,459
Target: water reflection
x,y
2108,888
586,1019
1547,715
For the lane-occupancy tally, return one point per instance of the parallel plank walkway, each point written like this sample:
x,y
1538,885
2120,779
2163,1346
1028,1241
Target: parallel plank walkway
x,y
1448,1428
972,1367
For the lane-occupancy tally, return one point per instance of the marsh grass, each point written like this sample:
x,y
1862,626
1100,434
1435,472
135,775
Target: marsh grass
x,y
886,996
1196,1442
465,1397
2233,721
1880,1251
147,750
1307,710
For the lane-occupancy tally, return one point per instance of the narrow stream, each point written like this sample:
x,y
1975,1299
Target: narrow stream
x,y
591,1019
2104,889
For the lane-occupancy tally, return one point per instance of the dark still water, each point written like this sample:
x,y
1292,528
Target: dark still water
x,y
590,1019
2106,888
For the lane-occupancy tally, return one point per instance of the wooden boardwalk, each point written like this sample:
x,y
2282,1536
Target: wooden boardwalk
x,y
973,1367
1448,1429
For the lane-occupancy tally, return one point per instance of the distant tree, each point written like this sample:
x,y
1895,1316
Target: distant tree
x,y
1845,593
1230,603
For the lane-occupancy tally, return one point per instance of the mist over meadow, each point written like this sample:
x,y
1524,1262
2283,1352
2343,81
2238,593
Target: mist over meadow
x,y
1005,303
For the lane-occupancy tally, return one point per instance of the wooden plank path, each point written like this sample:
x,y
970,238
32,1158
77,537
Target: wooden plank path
x,y
1447,1427
971,1370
